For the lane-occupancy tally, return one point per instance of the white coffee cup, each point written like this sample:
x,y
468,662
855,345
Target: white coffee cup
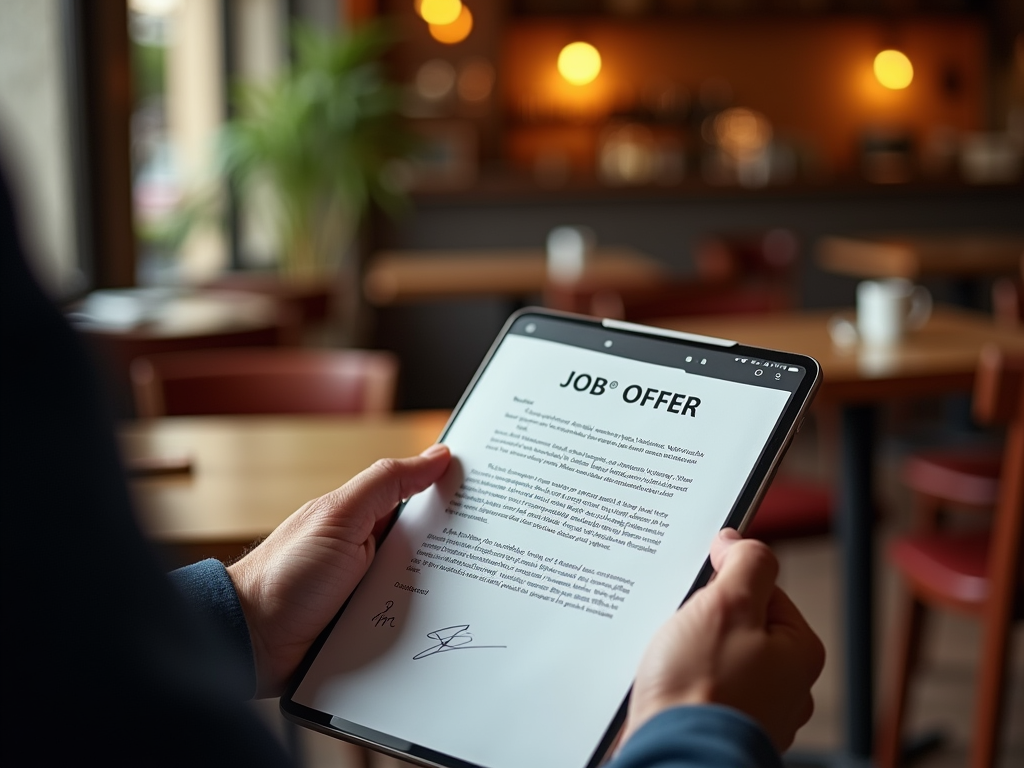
x,y
569,249
886,309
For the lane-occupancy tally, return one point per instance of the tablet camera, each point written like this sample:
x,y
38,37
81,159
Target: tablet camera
x,y
608,343
530,327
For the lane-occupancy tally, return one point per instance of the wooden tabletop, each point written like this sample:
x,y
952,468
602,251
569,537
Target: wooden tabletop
x,y
917,257
940,357
250,472
396,277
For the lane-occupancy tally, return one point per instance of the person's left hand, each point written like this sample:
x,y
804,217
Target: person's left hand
x,y
293,583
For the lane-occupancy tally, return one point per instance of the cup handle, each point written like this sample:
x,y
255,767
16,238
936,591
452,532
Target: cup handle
x,y
920,307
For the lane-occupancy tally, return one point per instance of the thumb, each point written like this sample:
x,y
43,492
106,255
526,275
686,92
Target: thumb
x,y
378,489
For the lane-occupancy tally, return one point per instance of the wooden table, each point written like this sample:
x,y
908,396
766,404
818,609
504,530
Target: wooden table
x,y
938,359
398,277
250,472
958,256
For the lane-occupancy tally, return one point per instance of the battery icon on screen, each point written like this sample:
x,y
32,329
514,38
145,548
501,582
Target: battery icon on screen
x,y
794,370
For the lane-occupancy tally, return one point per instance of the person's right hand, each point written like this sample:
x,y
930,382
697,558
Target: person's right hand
x,y
739,642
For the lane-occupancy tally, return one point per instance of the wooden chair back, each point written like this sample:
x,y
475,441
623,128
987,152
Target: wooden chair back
x,y
265,381
999,399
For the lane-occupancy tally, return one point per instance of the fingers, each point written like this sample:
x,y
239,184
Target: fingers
x,y
784,616
746,571
380,488
782,611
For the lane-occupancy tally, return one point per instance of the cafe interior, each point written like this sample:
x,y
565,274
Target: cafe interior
x,y
289,230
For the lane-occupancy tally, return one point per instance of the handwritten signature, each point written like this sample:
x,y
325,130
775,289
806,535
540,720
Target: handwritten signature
x,y
453,638
382,619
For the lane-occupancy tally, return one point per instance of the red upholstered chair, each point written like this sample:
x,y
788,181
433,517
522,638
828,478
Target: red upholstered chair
x,y
977,573
264,381
115,352
792,509
966,478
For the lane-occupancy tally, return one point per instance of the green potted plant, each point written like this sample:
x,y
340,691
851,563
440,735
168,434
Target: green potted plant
x,y
320,140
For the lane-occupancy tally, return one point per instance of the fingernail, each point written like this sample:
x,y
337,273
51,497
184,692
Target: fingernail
x,y
729,534
435,450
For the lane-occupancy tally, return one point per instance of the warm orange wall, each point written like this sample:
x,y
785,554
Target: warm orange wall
x,y
812,78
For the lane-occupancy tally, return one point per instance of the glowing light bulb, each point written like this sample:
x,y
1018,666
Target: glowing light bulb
x,y
440,12
579,63
455,32
893,69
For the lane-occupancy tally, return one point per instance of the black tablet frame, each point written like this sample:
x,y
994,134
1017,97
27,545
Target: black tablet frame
x,y
638,342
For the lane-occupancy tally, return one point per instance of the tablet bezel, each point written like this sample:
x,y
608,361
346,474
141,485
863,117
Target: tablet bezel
x,y
760,478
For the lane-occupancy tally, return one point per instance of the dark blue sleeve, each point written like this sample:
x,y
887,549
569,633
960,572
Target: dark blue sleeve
x,y
209,592
695,737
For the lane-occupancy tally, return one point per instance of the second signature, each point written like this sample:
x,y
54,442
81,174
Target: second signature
x,y
454,638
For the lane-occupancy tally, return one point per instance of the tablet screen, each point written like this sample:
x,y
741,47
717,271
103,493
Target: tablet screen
x,y
504,615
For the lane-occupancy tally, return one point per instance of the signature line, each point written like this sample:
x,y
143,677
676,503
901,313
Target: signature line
x,y
453,638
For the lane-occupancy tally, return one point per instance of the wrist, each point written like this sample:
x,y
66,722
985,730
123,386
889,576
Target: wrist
x,y
247,587
650,704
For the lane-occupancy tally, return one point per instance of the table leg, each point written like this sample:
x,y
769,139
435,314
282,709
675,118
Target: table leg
x,y
855,523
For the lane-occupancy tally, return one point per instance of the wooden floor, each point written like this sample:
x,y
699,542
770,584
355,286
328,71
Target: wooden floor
x,y
942,699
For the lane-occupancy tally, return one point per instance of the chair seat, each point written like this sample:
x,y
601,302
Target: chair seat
x,y
792,509
965,477
952,567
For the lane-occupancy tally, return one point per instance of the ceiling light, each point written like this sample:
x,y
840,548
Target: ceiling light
x,y
455,32
440,11
893,69
579,63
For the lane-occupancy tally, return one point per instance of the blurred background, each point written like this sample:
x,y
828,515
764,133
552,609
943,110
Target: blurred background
x,y
402,174
684,130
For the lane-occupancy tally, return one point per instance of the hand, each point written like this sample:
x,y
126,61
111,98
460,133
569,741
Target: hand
x,y
740,642
293,583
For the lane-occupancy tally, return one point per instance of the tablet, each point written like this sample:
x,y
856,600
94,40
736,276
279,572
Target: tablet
x,y
504,615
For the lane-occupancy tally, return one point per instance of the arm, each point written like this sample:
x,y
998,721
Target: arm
x,y
697,736
208,591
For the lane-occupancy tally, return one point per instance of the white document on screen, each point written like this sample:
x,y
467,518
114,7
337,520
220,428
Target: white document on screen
x,y
503,618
